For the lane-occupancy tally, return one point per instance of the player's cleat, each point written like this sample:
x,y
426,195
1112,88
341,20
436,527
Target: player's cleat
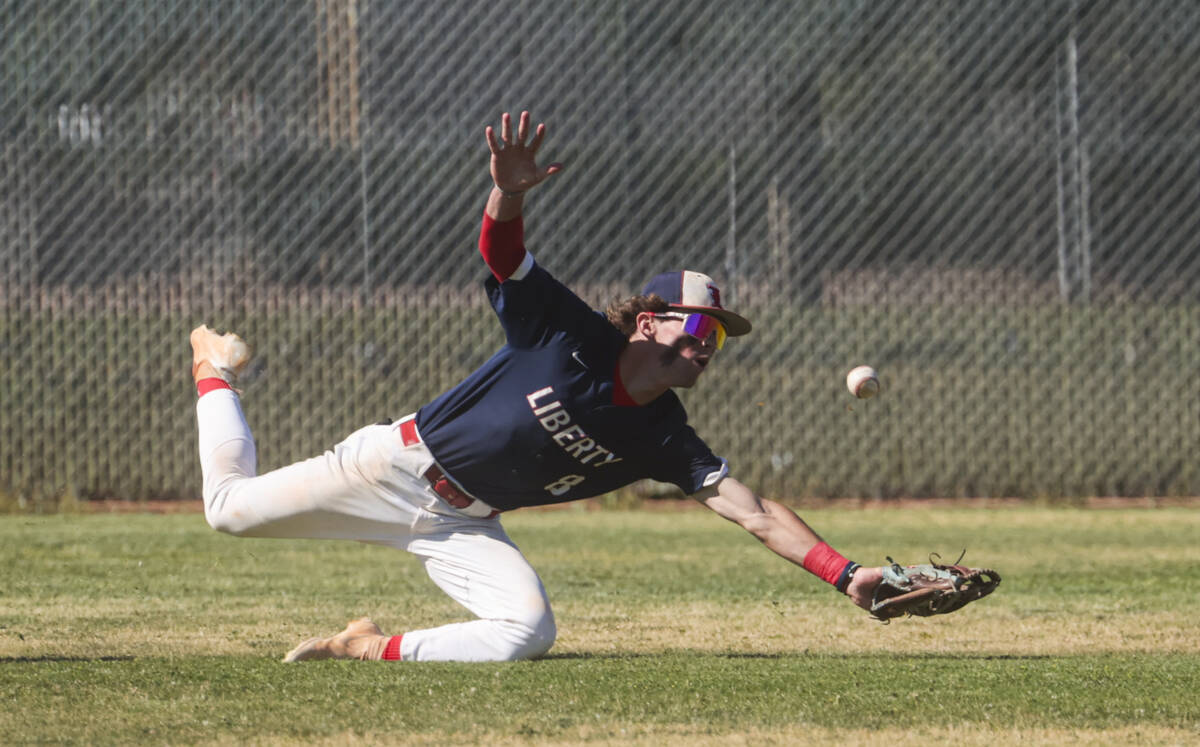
x,y
362,639
218,356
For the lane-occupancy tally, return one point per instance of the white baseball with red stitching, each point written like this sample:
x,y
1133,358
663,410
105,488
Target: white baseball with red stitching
x,y
863,382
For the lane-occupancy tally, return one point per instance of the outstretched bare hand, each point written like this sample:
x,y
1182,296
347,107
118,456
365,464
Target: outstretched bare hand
x,y
514,164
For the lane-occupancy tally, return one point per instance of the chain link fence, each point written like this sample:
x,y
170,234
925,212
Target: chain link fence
x,y
993,203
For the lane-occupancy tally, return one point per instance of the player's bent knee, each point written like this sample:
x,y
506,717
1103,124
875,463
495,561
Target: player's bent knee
x,y
543,637
222,517
527,644
531,638
226,523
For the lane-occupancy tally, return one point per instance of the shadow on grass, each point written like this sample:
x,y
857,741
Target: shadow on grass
x,y
777,656
55,657
590,657
632,656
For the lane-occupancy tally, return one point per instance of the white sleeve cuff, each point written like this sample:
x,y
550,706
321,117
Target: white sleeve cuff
x,y
713,477
523,268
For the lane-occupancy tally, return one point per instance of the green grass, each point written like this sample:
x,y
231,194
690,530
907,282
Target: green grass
x,y
675,627
205,698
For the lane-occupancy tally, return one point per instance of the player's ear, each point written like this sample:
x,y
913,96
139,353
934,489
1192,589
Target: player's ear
x,y
644,324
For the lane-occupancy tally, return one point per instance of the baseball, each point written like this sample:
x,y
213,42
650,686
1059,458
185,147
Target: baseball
x,y
863,382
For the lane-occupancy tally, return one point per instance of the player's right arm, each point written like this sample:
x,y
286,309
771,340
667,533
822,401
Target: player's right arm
x,y
514,172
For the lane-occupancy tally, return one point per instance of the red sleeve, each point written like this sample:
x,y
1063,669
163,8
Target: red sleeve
x,y
502,245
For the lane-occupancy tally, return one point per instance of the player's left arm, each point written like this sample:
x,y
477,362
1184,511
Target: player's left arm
x,y
787,535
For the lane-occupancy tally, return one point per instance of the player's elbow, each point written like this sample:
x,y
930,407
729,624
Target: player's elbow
x,y
758,523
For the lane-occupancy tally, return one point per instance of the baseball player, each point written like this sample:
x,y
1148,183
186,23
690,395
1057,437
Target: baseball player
x,y
575,404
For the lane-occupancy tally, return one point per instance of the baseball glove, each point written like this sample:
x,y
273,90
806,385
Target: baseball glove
x,y
932,589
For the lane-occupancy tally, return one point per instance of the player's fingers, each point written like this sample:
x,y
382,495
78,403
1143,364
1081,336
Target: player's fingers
x,y
493,143
553,168
506,128
522,128
537,138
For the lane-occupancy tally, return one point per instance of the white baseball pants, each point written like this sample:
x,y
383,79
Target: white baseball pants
x,y
369,488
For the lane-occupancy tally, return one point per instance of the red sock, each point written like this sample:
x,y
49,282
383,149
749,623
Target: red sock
x,y
392,652
204,386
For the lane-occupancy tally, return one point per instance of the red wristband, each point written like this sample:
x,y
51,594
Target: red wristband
x,y
826,563
204,386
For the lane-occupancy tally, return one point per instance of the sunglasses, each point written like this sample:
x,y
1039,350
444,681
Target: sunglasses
x,y
699,326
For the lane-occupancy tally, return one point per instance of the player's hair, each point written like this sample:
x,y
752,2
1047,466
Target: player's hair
x,y
623,314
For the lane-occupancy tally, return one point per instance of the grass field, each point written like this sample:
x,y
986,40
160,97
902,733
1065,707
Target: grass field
x,y
675,628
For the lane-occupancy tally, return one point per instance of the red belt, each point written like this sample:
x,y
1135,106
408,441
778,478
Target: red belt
x,y
448,491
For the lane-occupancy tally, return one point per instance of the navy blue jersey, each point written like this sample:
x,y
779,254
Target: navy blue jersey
x,y
536,424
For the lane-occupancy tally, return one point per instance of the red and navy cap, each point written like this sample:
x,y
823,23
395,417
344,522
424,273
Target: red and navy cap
x,y
694,291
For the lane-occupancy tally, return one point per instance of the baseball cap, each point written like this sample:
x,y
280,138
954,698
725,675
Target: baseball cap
x,y
695,291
